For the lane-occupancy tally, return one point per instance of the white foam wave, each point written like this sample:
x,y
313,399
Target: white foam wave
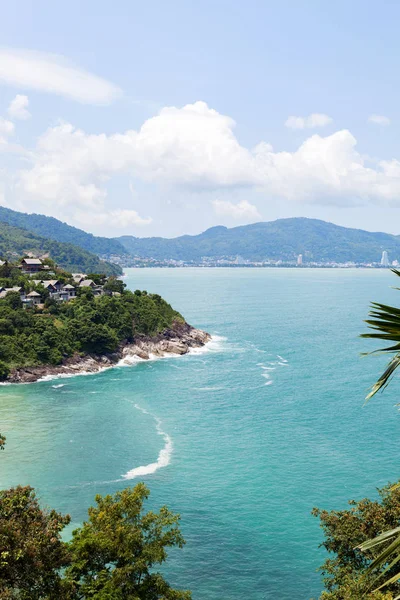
x,y
164,456
281,358
213,345
60,385
269,382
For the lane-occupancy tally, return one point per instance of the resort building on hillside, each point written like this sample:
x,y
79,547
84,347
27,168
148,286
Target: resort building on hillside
x,y
4,291
32,265
33,298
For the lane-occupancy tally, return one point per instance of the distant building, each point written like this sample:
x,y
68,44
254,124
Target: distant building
x,y
32,265
385,259
300,259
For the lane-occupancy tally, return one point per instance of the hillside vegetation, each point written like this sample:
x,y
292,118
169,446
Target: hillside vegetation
x,y
283,239
54,229
88,324
17,241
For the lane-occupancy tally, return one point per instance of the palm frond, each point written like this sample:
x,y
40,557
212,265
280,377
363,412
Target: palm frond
x,y
384,321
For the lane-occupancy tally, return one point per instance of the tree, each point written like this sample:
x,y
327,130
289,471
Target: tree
x,y
114,285
111,557
31,549
367,538
114,554
347,576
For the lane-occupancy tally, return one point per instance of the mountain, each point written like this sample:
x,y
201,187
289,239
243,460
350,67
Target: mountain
x,y
54,229
17,241
283,239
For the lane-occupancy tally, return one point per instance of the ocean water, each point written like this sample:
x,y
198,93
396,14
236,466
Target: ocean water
x,y
242,438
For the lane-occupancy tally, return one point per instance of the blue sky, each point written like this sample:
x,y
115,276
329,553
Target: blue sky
x,y
156,118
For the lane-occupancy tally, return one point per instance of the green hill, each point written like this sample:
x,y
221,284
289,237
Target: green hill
x,y
283,239
54,229
15,241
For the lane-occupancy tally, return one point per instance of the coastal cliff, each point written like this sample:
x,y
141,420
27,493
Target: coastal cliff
x,y
178,339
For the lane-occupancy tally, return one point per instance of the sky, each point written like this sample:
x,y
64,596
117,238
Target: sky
x,y
166,118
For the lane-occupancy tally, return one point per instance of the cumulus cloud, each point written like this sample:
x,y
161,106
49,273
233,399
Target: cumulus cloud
x,y
120,218
379,120
195,147
311,122
6,129
18,108
243,210
54,74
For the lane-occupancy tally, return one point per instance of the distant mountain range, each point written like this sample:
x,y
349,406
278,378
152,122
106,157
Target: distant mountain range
x,y
54,229
284,239
15,240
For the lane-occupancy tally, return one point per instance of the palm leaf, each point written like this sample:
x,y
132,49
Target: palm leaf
x,y
384,321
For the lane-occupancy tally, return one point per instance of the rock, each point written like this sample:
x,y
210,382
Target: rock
x,y
176,340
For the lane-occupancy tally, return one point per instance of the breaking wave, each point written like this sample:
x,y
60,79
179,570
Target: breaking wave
x,y
164,456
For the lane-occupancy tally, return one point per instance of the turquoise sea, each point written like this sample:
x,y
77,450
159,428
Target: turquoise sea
x,y
242,439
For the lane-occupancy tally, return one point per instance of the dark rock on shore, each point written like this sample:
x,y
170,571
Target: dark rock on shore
x,y
179,339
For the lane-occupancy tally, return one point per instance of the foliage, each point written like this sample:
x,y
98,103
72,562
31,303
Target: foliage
x,y
282,239
31,549
114,554
114,285
111,557
385,322
366,538
347,576
18,241
52,228
87,324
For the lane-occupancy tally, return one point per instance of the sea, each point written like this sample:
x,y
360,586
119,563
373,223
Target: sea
x,y
242,438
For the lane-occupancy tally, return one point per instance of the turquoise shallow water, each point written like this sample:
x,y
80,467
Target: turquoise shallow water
x,y
257,430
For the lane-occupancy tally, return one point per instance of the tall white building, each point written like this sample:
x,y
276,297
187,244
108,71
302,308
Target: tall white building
x,y
300,259
385,259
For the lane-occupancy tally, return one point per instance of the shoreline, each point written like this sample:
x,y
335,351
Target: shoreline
x,y
175,341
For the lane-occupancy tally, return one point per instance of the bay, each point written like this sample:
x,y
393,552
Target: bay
x,y
264,424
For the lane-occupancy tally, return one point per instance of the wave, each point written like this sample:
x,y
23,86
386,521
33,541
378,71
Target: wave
x,y
213,345
164,456
60,385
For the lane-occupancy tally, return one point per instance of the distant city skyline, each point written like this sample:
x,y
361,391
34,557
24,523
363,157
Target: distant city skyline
x,y
195,115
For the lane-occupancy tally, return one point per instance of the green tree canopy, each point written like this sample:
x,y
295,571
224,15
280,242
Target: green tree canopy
x,y
31,549
113,556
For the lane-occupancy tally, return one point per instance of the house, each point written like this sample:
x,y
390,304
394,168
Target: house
x,y
4,291
32,265
65,294
53,285
78,277
33,299
87,283
70,290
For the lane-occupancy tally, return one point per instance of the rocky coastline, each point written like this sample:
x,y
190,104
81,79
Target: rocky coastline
x,y
177,340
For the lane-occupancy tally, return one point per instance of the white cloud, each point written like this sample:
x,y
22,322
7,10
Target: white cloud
x,y
6,129
18,108
120,218
52,73
379,120
195,147
243,210
311,122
